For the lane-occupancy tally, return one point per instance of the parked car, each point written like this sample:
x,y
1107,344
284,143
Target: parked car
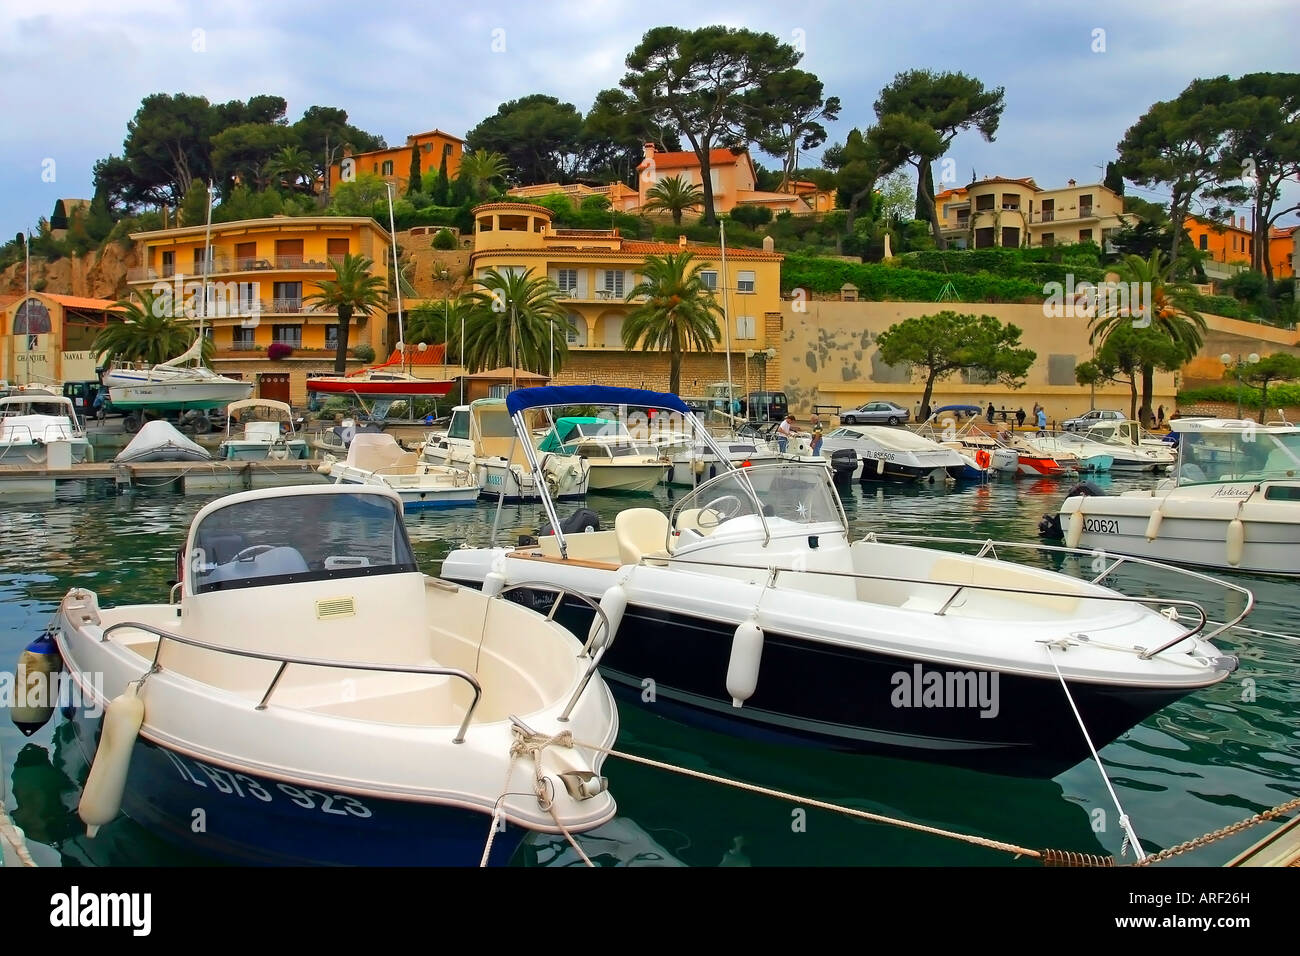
x,y
875,413
765,406
1088,419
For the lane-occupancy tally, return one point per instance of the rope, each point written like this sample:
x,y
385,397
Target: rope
x,y
1280,810
1130,836
819,804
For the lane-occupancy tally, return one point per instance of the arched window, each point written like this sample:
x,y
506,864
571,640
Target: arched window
x,y
32,318
577,330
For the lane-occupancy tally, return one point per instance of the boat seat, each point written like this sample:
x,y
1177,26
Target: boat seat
x,y
220,548
689,520
641,532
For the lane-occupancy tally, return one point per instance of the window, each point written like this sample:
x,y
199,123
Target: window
x,y
745,327
287,297
168,263
336,248
613,283
745,282
1049,239
1010,237
1204,241
1060,369
245,254
241,338
288,253
388,168
332,336
567,280
577,330
1010,201
198,262
709,279
1085,204
1085,235
287,334
459,425
1049,211
984,238
983,203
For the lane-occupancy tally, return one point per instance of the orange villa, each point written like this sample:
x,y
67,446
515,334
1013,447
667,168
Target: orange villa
x,y
394,164
1282,251
732,174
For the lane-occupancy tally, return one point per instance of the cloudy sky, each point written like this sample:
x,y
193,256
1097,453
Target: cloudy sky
x,y
73,72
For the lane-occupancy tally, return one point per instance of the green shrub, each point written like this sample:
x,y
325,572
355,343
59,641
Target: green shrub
x,y
363,352
752,216
1279,394
445,239
881,282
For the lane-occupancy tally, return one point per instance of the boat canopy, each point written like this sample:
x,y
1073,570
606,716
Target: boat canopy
x,y
777,496
571,429
551,396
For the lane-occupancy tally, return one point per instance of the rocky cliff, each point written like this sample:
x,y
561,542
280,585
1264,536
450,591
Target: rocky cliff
x,y
96,275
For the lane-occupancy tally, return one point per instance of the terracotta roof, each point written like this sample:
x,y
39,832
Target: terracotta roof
x,y
435,132
1024,181
1282,232
68,301
511,205
432,355
956,191
717,157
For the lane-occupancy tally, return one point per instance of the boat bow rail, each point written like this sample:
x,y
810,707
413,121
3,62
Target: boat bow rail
x,y
285,660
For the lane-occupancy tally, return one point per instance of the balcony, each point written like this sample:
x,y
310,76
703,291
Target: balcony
x,y
286,306
1048,215
596,295
225,265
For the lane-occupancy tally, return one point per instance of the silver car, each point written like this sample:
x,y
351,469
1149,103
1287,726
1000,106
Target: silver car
x,y
1096,416
875,413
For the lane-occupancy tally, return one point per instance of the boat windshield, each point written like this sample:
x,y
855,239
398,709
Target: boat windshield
x,y
1245,454
799,493
290,539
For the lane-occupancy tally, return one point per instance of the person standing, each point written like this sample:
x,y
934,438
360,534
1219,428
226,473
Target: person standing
x,y
989,414
785,431
816,427
1160,417
1042,422
1020,417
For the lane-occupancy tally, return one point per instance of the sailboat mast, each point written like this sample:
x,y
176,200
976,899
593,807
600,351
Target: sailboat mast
x,y
207,268
397,277
726,315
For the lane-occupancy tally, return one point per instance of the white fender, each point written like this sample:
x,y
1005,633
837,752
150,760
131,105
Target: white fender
x,y
613,602
697,465
1075,531
1153,524
880,466
746,656
102,797
493,583
1236,541
324,467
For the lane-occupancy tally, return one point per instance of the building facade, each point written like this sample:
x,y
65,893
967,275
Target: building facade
x,y
47,339
1016,213
734,181
263,274
597,269
394,163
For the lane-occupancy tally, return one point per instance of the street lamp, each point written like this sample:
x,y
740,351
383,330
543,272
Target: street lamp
x,y
1226,359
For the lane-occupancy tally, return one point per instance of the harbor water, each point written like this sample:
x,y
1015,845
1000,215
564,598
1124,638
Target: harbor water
x,y
1215,757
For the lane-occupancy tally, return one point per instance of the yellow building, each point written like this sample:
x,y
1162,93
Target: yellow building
x,y
1012,213
1282,251
263,272
734,179
48,339
596,269
394,163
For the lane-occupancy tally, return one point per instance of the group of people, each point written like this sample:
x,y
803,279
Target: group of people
x,y
787,430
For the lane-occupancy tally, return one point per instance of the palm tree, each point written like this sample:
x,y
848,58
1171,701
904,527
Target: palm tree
x,y
152,331
1167,308
294,164
678,312
675,195
353,289
481,169
514,319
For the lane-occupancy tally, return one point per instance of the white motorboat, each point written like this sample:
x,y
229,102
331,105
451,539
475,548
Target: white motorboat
x,y
616,460
160,441
895,454
1076,450
481,440
378,459
267,432
694,462
31,420
748,609
1233,504
1123,441
327,703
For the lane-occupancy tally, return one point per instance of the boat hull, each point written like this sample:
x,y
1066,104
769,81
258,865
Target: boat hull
x,y
200,395
629,479
36,453
417,498
859,705
294,450
251,819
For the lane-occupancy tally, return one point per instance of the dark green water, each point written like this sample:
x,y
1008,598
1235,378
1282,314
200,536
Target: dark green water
x,y
1212,759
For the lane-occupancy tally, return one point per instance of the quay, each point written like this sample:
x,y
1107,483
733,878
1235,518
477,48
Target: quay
x,y
195,477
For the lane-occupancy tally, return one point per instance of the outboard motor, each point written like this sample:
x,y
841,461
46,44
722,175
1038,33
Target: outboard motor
x,y
582,520
1050,527
1085,489
844,461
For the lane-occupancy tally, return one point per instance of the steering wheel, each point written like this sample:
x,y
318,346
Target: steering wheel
x,y
723,508
249,553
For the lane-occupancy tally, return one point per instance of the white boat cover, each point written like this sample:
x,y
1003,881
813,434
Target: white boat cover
x,y
159,441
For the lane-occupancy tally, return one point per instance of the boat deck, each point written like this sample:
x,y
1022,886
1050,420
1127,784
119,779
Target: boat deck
x,y
197,477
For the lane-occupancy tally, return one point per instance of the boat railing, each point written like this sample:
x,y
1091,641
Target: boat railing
x,y
285,660
560,594
989,546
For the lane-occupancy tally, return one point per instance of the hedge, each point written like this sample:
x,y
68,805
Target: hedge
x,y
1279,394
877,282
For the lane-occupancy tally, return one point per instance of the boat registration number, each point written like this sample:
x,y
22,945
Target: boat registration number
x,y
243,786
1101,525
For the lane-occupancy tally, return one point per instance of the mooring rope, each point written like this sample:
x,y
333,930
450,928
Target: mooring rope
x,y
1272,814
1130,835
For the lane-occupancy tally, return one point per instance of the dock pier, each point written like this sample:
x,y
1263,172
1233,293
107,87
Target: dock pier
x,y
195,477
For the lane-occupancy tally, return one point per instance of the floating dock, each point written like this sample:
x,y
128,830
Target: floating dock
x,y
194,477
